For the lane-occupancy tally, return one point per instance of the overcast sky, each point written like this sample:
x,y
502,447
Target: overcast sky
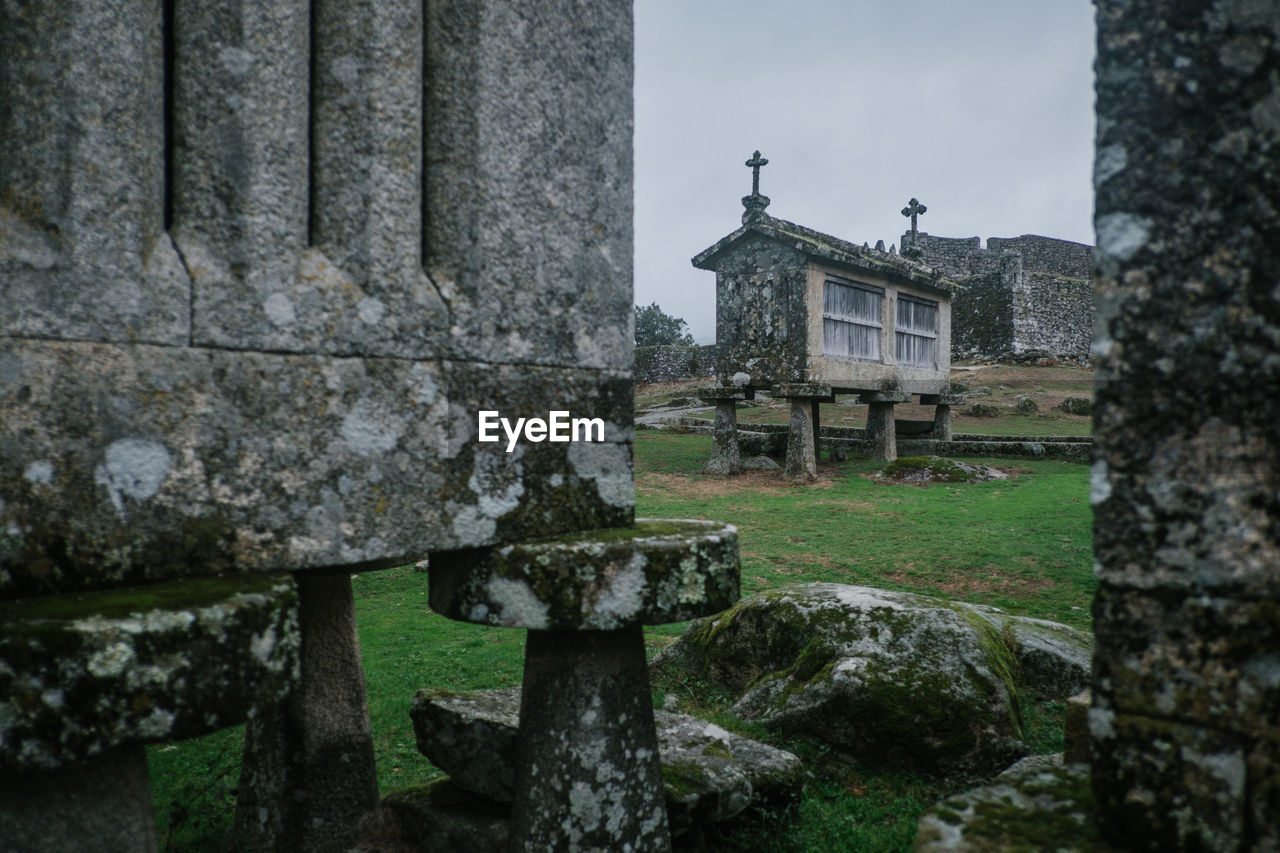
x,y
982,110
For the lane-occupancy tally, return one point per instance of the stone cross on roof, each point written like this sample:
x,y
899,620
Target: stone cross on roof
x,y
913,209
755,203
755,163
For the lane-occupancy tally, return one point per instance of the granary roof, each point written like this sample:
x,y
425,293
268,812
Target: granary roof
x,y
824,247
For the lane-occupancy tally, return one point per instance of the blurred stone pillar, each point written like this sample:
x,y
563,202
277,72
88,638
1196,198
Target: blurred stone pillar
x,y
1186,482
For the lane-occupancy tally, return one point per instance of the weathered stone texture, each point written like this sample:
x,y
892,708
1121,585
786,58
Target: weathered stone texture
x,y
1186,486
725,457
81,675
288,388
890,678
83,252
528,184
308,779
1037,804
667,364
709,774
802,449
760,308
655,572
588,775
1017,295
129,463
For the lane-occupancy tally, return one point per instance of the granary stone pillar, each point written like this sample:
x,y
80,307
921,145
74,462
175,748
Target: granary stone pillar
x,y
588,775
1186,751
802,446
881,432
725,458
942,404
232,344
316,747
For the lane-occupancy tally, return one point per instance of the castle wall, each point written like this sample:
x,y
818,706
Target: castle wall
x,y
1052,314
1041,303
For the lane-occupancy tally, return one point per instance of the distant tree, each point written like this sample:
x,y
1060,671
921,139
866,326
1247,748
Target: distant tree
x,y
656,329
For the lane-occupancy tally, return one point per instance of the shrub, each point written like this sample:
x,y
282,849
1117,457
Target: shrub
x,y
982,410
1076,406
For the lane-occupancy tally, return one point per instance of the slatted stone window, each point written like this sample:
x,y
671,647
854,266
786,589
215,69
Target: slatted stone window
x,y
916,332
851,324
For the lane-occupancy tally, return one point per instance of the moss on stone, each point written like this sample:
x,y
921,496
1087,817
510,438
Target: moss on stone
x,y
642,529
933,467
183,594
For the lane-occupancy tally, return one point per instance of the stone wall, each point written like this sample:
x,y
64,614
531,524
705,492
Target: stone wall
x,y
1023,294
668,364
302,393
761,313
1053,314
1186,486
982,318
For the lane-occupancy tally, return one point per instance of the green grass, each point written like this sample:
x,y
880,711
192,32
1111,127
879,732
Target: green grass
x,y
1023,544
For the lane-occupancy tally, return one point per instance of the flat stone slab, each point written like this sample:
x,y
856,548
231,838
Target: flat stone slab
x,y
80,674
1037,804
719,393
709,774
654,572
801,389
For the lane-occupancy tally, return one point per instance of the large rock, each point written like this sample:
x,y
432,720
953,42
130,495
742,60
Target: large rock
x,y
709,774
893,679
1037,804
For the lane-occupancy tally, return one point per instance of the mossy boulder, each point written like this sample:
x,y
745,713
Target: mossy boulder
x,y
1037,804
934,469
893,679
709,775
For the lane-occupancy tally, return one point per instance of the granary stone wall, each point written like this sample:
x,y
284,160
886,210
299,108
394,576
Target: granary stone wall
x,y
761,288
1186,486
667,364
1041,301
223,338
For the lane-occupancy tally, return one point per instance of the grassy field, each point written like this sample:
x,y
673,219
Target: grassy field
x,y
1022,544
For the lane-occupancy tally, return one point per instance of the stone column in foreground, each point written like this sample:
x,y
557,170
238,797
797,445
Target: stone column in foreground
x,y
588,776
1186,482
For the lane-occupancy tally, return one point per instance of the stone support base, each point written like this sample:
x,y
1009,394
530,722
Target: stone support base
x,y
103,804
308,779
802,459
725,456
881,432
942,423
588,775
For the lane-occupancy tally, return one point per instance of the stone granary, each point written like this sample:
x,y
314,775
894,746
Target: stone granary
x,y
805,316
262,265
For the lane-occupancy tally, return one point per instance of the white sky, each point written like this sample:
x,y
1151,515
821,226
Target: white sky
x,y
982,110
